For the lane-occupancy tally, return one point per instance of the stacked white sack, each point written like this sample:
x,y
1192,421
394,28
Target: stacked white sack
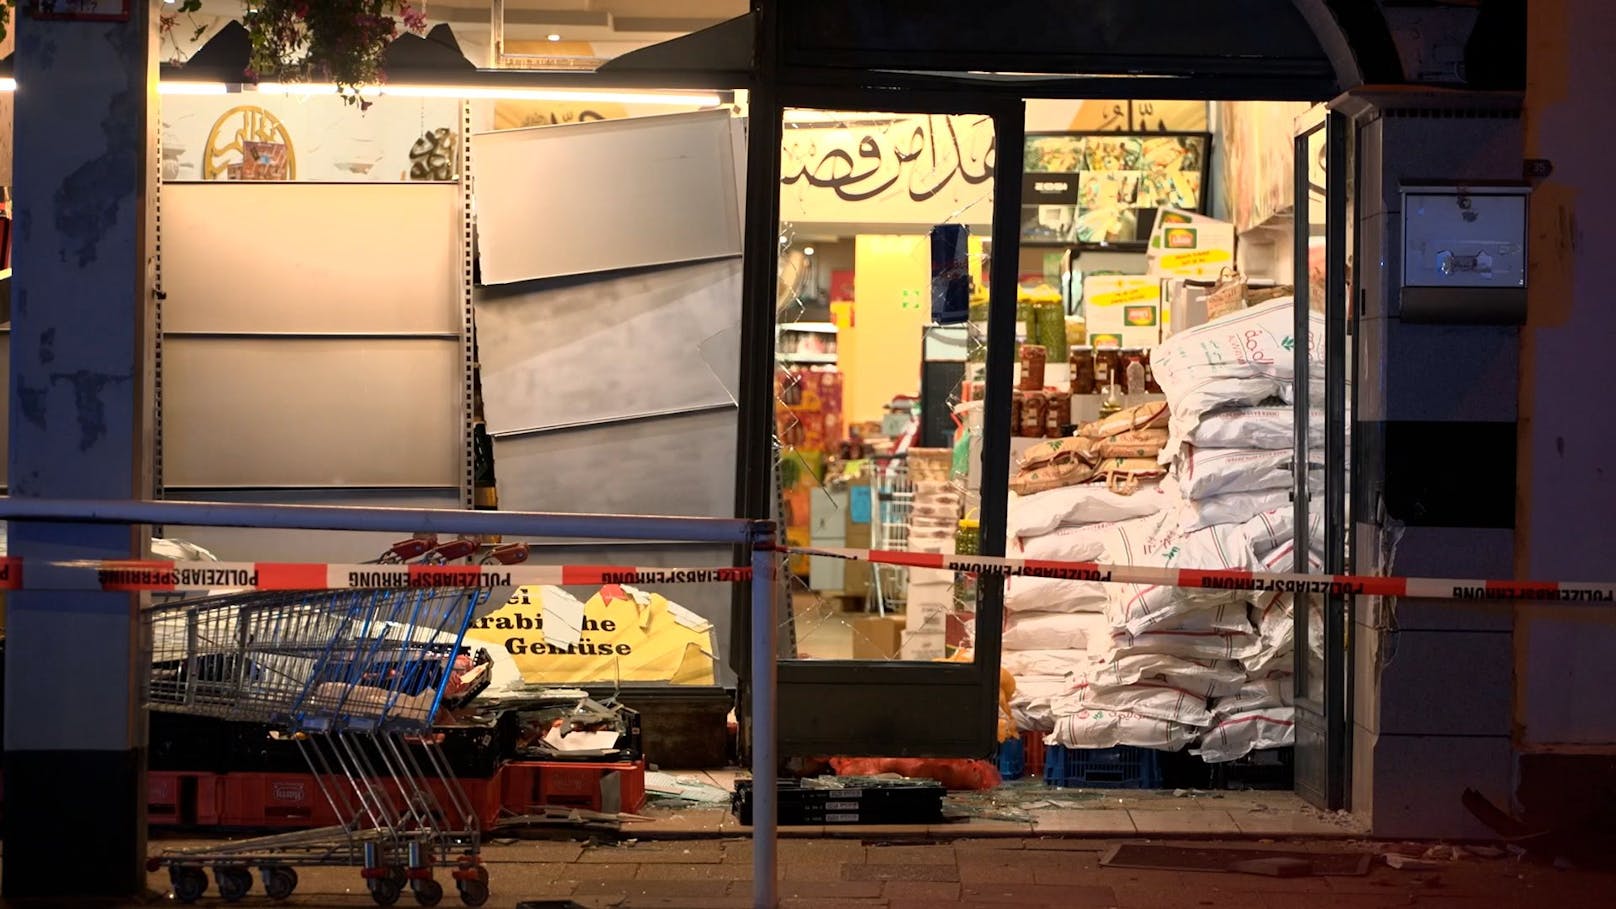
x,y
1053,625
1232,462
1240,360
1232,451
933,520
1171,649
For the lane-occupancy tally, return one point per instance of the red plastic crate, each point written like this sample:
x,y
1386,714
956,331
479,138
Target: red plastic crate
x,y
530,785
282,800
1033,748
486,798
182,799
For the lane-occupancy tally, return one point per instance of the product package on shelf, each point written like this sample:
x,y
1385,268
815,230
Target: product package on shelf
x,y
934,516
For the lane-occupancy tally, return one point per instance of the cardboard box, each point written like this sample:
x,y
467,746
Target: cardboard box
x,y
1190,245
925,645
877,637
1122,310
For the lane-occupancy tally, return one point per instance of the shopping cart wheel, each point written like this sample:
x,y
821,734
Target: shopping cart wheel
x,y
279,881
385,890
234,883
474,891
428,892
189,883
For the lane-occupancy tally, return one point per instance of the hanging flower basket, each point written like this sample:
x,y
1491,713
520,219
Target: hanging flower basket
x,y
339,41
335,41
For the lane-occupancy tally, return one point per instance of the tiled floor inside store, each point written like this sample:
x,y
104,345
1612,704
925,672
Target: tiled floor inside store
x,y
1029,808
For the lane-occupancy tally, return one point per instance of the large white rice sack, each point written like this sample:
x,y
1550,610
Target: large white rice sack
x,y
1259,694
1274,527
1206,472
1239,360
1156,700
1195,645
1046,662
1104,728
1264,427
1236,736
1055,631
1138,608
1031,706
1041,513
1208,678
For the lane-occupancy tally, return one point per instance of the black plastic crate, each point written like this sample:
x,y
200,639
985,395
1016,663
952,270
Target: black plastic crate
x,y
868,802
1269,770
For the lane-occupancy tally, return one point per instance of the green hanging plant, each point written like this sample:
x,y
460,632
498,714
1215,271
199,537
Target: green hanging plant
x,y
338,41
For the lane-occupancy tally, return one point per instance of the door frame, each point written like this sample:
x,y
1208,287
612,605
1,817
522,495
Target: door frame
x,y
1323,730
897,708
1359,50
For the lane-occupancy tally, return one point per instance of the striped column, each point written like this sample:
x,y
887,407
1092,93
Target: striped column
x,y
1434,443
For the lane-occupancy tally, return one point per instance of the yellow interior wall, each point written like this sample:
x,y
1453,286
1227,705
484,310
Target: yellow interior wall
x,y
880,353
879,356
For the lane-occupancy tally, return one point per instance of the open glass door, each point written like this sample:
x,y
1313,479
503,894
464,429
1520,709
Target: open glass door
x,y
1324,322
882,381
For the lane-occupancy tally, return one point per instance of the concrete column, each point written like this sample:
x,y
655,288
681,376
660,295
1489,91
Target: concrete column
x,y
79,411
1434,439
1565,719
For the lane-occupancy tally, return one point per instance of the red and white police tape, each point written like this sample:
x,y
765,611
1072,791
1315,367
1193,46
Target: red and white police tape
x,y
16,574
1370,585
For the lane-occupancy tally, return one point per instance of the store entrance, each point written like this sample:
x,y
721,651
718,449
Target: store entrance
x,y
1260,415
1167,266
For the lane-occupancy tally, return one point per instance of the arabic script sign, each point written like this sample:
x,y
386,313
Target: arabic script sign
x,y
881,169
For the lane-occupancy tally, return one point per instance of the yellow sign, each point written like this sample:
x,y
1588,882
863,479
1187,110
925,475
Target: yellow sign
x,y
620,634
1149,293
1201,258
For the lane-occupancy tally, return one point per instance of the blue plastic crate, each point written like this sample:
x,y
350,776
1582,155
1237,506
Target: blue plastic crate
x,y
1122,767
1012,759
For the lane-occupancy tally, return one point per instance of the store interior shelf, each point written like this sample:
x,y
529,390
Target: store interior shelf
x,y
808,358
823,328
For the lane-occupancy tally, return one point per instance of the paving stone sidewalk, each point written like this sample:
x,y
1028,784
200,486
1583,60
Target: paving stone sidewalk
x,y
993,873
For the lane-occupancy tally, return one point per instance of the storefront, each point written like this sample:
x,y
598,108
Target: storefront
x,y
744,285
901,111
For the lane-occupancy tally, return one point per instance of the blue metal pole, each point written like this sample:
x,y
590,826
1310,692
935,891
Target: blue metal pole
x,y
765,757
391,520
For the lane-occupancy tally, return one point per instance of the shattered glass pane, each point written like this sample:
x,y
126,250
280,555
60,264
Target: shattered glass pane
x,y
876,406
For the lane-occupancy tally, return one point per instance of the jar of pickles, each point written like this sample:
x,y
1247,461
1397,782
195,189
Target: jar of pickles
x,y
968,537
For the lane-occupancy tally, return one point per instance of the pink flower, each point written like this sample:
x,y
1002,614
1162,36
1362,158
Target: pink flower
x,y
414,19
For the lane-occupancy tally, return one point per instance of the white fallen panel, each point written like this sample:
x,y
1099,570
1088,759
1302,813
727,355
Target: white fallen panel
x,y
591,351
579,198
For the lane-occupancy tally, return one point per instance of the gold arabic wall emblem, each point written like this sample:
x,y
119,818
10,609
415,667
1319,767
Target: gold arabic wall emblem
x,y
250,124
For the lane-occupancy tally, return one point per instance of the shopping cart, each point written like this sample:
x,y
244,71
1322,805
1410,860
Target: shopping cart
x,y
894,496
355,677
